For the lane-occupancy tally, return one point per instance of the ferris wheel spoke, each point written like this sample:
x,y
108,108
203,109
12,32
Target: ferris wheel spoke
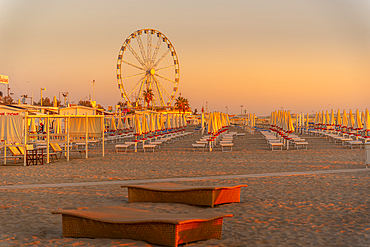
x,y
159,91
136,85
131,76
149,48
161,58
140,43
165,67
165,78
136,56
141,86
133,65
164,89
156,50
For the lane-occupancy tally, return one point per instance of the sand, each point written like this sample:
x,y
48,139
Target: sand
x,y
298,210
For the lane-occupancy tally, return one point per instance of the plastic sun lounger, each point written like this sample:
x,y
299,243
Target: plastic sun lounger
x,y
179,193
122,146
156,228
198,145
148,146
223,145
301,144
276,144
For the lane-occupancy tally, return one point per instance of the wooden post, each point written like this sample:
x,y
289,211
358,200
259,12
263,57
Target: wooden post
x,y
367,152
25,139
102,131
47,139
4,152
67,129
86,135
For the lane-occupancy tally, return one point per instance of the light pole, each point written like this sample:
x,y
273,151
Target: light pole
x,y
41,89
241,109
227,110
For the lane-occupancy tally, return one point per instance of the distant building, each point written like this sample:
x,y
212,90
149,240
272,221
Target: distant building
x,y
77,110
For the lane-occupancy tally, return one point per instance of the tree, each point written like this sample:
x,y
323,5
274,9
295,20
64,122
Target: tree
x,y
8,100
46,102
182,104
195,111
85,103
148,96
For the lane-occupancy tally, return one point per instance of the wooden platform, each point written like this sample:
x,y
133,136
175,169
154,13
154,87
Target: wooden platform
x,y
156,228
179,193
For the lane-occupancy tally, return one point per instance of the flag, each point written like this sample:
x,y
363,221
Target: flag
x,y
4,79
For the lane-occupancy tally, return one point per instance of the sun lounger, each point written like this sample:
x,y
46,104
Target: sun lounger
x,y
300,144
200,145
276,144
179,193
149,146
122,146
354,144
129,223
224,145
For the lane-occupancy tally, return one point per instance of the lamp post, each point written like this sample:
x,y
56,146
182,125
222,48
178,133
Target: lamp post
x,y
227,110
41,89
241,109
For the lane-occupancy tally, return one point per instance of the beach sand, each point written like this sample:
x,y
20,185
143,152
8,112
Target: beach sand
x,y
301,210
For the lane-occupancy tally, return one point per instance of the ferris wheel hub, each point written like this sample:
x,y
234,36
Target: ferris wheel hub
x,y
152,71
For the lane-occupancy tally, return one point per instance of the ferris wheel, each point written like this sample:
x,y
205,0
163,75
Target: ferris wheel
x,y
147,61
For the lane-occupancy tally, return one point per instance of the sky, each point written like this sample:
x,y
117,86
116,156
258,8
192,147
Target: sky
x,y
298,55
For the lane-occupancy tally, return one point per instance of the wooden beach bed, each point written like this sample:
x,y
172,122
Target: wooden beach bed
x,y
156,228
179,193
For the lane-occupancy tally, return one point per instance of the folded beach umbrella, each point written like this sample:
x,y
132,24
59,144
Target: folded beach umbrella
x,y
144,124
137,125
113,124
366,126
210,123
168,122
120,125
344,119
307,120
58,126
184,119
151,123
351,120
323,116
32,126
55,102
363,117
338,122
202,121
162,122
158,126
290,126
357,124
332,118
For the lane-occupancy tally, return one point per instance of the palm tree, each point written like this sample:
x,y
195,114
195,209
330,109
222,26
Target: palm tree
x,y
148,96
182,104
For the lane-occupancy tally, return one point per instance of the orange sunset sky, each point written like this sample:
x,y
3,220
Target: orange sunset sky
x,y
265,55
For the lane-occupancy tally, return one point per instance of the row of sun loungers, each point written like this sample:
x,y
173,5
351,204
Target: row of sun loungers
x,y
276,143
156,228
225,140
347,140
151,142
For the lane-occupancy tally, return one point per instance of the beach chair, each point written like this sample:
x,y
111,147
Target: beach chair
x,y
156,228
16,154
